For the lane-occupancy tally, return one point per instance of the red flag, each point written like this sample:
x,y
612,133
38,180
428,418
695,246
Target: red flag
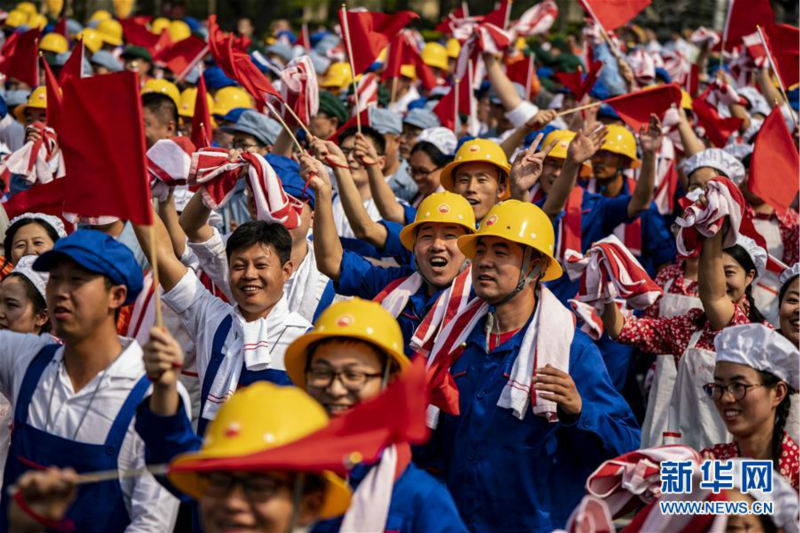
x,y
717,129
635,108
238,65
446,108
20,57
612,14
201,120
773,167
444,25
47,198
782,41
53,96
499,17
743,17
102,136
136,33
522,72
397,416
182,56
369,33
74,65
364,117
578,84
402,52
61,27
305,40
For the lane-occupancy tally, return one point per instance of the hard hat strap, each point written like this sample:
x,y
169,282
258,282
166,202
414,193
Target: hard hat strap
x,y
530,272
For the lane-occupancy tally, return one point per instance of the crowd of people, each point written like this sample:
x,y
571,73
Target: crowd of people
x,y
566,291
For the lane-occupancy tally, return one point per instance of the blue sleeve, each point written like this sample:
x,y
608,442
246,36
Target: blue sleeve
x,y
614,212
658,242
609,75
165,437
359,277
393,247
325,300
409,214
606,426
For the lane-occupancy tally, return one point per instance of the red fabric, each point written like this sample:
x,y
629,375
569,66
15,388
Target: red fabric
x,y
201,120
499,16
102,136
743,17
182,56
612,14
717,129
635,108
61,26
773,167
577,83
360,435
53,96
45,198
237,65
569,236
364,117
444,25
136,33
522,71
369,33
19,57
446,108
402,52
782,40
74,65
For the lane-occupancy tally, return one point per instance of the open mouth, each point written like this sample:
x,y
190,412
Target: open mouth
x,y
337,408
730,414
60,312
473,201
438,263
485,278
250,289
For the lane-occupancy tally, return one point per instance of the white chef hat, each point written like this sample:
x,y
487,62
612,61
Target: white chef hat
x,y
442,138
50,220
789,274
761,348
757,253
758,104
719,160
782,495
25,268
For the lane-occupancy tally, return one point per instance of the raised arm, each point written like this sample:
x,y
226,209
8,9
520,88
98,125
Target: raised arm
x,y
194,219
517,137
283,144
768,88
327,247
170,269
691,142
385,200
650,141
169,215
711,284
502,85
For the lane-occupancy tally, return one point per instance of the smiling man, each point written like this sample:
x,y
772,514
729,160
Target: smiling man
x,y
241,343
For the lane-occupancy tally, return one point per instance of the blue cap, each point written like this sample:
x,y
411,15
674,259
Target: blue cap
x,y
73,27
422,118
600,90
256,124
233,115
281,49
216,79
421,102
384,121
106,59
793,94
607,111
288,34
194,24
3,107
96,252
288,171
532,135
17,97
662,73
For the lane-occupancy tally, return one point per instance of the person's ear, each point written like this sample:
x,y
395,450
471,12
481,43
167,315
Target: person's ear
x,y
287,269
381,161
310,508
41,319
781,390
117,295
172,128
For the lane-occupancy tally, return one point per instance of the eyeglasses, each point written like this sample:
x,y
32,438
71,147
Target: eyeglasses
x,y
352,380
255,487
737,390
421,172
241,145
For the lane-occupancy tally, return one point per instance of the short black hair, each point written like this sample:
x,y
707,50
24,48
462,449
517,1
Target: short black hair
x,y
162,106
261,232
378,140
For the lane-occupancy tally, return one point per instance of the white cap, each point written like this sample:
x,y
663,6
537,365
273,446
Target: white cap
x,y
757,254
761,348
442,138
719,160
25,268
50,220
758,104
789,274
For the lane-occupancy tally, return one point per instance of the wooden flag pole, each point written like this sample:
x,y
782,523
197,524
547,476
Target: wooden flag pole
x,y
507,14
579,108
606,38
346,32
294,115
285,126
455,111
154,265
774,69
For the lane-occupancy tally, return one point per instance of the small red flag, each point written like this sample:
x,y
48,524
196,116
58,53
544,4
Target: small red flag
x,y
20,57
61,27
612,14
74,65
635,108
363,116
102,136
201,120
444,25
47,198
578,84
369,33
136,33
401,52
446,108
743,17
773,167
182,56
53,96
782,41
499,17
717,129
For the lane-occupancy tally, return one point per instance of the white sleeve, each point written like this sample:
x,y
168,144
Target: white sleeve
x,y
214,261
16,352
194,304
151,507
522,113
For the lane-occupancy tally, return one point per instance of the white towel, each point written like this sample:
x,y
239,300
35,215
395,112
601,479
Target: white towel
x,y
395,296
723,200
369,506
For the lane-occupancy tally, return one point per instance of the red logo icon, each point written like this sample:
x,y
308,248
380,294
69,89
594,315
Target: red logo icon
x,y
344,321
491,220
444,208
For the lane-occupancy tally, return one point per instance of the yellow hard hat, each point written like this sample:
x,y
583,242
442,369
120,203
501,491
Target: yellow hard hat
x,y
111,31
188,98
164,87
520,222
453,47
359,319
160,24
54,7
229,98
36,100
520,43
441,208
16,18
37,21
123,8
686,100
100,15
435,55
29,8
338,75
178,30
559,151
476,151
620,140
258,418
92,39
408,71
54,42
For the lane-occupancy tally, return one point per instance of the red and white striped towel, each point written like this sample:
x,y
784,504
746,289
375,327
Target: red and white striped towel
x,y
299,89
703,35
485,37
724,200
168,164
635,477
536,20
38,161
216,174
367,88
590,516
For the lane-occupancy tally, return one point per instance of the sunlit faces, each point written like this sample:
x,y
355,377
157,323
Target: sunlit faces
x,y
752,410
438,257
482,184
737,279
154,128
256,279
788,312
17,308
30,239
424,173
496,268
605,164
551,170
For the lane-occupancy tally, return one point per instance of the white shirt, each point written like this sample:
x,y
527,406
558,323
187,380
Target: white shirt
x,y
150,506
400,105
202,313
343,228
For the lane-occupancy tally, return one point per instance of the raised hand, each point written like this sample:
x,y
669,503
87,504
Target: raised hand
x,y
314,173
586,143
365,151
650,137
527,167
163,357
541,119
